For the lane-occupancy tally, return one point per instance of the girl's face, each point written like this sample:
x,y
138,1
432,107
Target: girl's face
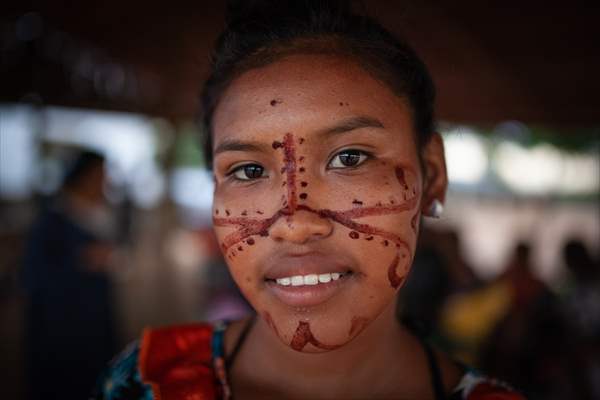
x,y
318,196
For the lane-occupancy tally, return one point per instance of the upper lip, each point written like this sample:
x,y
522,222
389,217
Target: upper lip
x,y
304,264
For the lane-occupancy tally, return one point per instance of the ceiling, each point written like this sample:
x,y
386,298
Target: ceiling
x,y
536,62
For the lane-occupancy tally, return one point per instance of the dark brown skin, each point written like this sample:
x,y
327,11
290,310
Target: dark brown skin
x,y
350,346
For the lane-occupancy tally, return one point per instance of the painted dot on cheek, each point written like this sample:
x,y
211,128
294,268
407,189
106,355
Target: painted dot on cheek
x,y
303,196
353,235
250,241
304,184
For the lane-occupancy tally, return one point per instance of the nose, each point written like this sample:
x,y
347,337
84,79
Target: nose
x,y
301,227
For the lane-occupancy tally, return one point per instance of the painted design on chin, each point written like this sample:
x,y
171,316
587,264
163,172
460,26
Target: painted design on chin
x,y
357,325
304,336
248,227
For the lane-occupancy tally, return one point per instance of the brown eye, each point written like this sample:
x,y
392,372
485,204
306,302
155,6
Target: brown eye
x,y
248,172
348,158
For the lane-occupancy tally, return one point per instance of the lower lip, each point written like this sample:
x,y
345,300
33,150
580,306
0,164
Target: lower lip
x,y
309,295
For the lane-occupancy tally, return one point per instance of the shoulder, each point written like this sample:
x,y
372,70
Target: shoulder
x,y
475,386
165,360
122,379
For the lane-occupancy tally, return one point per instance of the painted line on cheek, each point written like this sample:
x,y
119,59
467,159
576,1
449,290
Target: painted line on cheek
x,y
414,221
357,325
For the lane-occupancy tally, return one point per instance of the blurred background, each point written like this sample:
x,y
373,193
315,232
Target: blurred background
x,y
105,205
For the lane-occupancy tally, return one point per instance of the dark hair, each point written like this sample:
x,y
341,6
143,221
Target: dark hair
x,y
85,162
261,32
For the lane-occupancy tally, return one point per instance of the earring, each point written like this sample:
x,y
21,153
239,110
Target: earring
x,y
436,209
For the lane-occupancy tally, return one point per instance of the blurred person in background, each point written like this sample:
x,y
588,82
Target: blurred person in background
x,y
581,308
69,321
531,344
440,271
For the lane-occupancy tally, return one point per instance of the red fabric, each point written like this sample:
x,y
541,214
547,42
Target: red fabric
x,y
177,362
488,391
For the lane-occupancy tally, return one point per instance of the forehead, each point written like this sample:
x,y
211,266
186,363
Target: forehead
x,y
305,93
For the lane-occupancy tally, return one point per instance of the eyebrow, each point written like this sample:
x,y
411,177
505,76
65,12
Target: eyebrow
x,y
351,124
346,125
239,145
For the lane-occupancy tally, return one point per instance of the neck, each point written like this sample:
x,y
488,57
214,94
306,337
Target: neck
x,y
384,342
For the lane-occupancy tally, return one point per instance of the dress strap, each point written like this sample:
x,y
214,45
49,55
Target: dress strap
x,y
434,371
240,341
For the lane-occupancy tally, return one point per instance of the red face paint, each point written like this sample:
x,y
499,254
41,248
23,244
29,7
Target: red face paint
x,y
357,325
248,227
304,336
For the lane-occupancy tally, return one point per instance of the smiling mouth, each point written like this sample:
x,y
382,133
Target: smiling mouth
x,y
311,289
310,279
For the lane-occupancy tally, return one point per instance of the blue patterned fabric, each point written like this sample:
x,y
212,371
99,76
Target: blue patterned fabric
x,y
122,380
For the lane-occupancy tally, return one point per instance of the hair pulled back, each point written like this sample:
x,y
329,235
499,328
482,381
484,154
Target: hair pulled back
x,y
259,33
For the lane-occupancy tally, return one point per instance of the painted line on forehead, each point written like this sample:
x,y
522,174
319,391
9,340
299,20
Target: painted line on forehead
x,y
304,336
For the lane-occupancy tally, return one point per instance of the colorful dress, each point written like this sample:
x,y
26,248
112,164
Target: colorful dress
x,y
187,363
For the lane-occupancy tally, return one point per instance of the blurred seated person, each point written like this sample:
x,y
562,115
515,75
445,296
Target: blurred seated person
x,y
69,330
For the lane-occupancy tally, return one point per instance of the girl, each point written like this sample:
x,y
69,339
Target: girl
x,y
325,156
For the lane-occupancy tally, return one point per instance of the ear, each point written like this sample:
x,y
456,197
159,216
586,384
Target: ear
x,y
435,181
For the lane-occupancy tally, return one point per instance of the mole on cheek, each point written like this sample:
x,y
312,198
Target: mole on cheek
x,y
244,213
277,145
227,212
301,169
250,241
301,140
303,196
240,248
353,235
274,102
304,184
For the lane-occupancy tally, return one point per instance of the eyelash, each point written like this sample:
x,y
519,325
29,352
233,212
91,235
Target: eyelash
x,y
363,156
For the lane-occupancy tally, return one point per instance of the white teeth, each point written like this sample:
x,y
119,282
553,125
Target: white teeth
x,y
284,281
297,280
312,279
